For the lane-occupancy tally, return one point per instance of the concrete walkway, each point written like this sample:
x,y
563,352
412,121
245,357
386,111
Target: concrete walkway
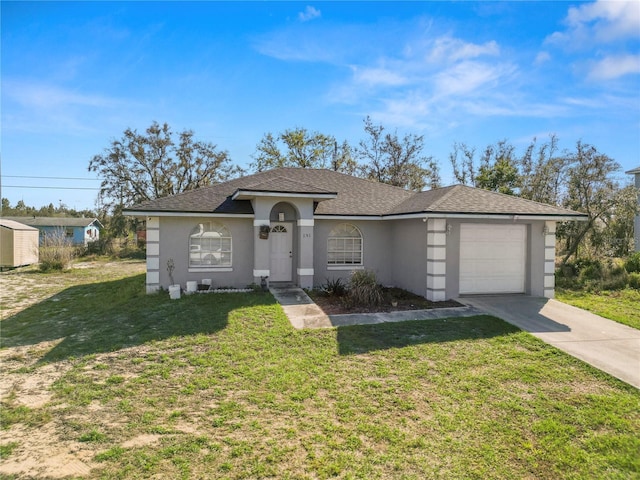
x,y
607,345
302,312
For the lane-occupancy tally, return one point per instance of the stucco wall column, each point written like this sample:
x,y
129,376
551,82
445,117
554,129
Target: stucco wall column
x,y
305,253
550,259
436,259
261,252
153,254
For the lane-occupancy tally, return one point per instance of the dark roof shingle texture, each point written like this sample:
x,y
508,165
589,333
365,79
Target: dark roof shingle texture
x,y
55,221
355,196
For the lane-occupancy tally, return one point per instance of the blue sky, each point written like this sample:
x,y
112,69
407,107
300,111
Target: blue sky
x,y
75,75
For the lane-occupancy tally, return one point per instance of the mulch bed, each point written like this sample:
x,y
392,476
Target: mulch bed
x,y
337,305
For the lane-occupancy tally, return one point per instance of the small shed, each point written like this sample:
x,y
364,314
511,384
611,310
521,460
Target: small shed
x,y
79,231
18,244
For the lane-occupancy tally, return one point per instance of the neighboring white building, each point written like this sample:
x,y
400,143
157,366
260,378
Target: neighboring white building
x,y
636,173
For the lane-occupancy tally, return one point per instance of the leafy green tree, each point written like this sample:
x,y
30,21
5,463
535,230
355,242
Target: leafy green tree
x,y
498,170
543,172
619,223
157,163
387,158
342,160
302,149
582,180
502,176
591,189
21,210
462,162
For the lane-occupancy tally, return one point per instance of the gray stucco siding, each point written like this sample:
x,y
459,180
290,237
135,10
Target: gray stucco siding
x,y
376,250
409,255
174,244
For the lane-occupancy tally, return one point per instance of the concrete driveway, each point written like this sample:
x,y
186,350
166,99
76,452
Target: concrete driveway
x,y
607,345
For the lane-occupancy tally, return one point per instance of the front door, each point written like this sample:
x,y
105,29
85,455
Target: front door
x,y
281,252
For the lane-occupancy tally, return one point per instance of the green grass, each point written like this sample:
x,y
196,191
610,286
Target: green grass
x,y
620,305
221,386
7,448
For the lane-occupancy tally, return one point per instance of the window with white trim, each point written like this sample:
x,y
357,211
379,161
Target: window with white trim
x,y
210,245
344,245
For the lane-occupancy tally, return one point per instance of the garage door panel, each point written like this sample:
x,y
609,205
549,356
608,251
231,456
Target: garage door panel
x,y
492,258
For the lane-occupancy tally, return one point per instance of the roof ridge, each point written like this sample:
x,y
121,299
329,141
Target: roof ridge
x,y
386,185
450,189
528,200
303,186
506,195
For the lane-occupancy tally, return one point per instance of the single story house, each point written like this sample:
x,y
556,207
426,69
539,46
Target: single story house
x,y
304,226
636,224
18,244
80,231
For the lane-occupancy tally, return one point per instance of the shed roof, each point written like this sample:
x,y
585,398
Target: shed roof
x,y
350,196
633,171
56,221
13,225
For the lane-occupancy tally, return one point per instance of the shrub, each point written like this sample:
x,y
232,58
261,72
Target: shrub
x,y
102,246
592,274
634,280
613,282
56,251
335,287
364,289
591,270
632,265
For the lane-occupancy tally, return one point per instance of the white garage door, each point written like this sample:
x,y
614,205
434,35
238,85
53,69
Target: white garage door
x,y
492,258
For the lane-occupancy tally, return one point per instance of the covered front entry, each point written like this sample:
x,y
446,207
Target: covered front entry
x,y
492,258
281,263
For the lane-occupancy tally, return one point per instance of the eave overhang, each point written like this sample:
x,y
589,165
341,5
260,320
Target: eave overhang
x,y
165,213
248,194
482,216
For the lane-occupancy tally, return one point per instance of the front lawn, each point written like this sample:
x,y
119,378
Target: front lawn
x,y
118,384
620,305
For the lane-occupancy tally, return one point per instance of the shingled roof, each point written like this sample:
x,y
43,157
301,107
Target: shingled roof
x,y
55,221
13,225
347,195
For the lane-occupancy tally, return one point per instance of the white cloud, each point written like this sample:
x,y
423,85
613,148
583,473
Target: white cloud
x,y
467,77
601,21
541,58
39,106
309,14
453,49
375,76
609,19
612,67
44,96
434,77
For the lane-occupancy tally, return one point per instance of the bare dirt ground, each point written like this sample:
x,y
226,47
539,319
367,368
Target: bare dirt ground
x,y
46,451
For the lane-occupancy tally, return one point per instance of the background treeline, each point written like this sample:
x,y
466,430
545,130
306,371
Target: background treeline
x,y
158,162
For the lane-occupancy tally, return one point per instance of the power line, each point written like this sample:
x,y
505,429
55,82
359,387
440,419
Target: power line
x,y
53,188
52,178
